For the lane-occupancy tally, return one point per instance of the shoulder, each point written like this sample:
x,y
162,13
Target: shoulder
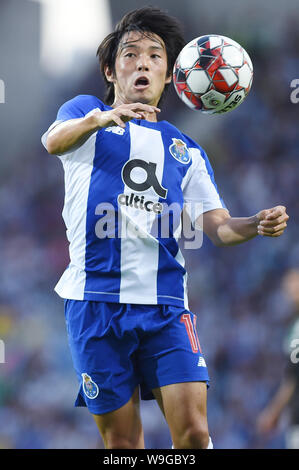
x,y
200,159
199,156
192,144
84,104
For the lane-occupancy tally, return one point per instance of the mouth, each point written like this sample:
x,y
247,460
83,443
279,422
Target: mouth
x,y
141,83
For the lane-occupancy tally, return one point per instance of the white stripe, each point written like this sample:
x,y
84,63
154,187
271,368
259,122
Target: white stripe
x,y
96,292
198,189
78,168
180,259
115,293
170,297
139,249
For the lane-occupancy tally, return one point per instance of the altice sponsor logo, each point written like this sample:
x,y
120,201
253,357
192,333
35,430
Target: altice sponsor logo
x,y
133,200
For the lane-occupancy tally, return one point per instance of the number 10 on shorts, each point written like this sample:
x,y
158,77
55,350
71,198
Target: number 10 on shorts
x,y
191,331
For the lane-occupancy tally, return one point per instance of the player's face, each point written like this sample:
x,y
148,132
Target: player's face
x,y
140,69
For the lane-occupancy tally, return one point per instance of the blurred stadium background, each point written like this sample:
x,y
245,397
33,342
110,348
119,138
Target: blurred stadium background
x,y
47,56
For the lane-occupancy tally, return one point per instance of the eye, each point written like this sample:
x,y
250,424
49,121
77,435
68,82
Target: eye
x,y
129,54
154,56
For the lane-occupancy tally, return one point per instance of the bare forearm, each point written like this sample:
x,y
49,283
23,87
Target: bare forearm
x,y
235,230
71,134
225,230
283,396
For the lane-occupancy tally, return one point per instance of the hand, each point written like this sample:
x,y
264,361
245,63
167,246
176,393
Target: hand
x,y
123,113
272,222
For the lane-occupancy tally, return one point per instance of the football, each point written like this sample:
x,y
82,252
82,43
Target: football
x,y
213,74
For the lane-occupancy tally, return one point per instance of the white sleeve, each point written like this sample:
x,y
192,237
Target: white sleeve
x,y
56,123
45,135
199,187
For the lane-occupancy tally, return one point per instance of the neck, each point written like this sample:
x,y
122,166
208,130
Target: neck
x,y
152,117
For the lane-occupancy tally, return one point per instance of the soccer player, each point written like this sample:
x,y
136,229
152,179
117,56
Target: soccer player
x,y
129,326
286,396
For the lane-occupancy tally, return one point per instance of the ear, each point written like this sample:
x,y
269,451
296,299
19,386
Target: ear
x,y
168,79
109,74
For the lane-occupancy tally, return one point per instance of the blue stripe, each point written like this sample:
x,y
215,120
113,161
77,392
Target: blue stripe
x,y
170,282
103,256
78,107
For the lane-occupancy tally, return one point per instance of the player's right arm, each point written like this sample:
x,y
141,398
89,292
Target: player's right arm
x,y
71,134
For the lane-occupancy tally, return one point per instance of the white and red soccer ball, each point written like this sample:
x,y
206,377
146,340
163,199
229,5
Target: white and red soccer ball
x,y
213,74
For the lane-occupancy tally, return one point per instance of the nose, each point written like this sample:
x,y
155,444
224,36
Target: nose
x,y
142,64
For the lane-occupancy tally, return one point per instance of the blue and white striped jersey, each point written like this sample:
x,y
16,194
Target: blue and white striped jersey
x,y
120,186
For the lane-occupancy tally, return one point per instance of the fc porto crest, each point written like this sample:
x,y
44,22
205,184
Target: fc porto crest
x,y
90,388
179,151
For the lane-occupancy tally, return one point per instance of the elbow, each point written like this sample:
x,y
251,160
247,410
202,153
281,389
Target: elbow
x,y
222,243
218,243
215,239
52,146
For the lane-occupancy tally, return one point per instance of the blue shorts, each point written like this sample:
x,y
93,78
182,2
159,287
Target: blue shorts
x,y
116,347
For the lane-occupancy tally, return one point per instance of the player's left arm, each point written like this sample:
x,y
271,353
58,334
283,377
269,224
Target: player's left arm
x,y
225,230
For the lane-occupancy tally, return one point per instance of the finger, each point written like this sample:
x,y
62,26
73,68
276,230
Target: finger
x,y
118,122
148,107
128,114
272,235
276,212
277,234
145,107
263,214
272,232
272,222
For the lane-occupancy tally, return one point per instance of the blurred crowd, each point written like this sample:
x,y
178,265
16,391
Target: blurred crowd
x,y
243,312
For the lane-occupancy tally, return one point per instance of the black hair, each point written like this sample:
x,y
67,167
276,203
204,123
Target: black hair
x,y
145,20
